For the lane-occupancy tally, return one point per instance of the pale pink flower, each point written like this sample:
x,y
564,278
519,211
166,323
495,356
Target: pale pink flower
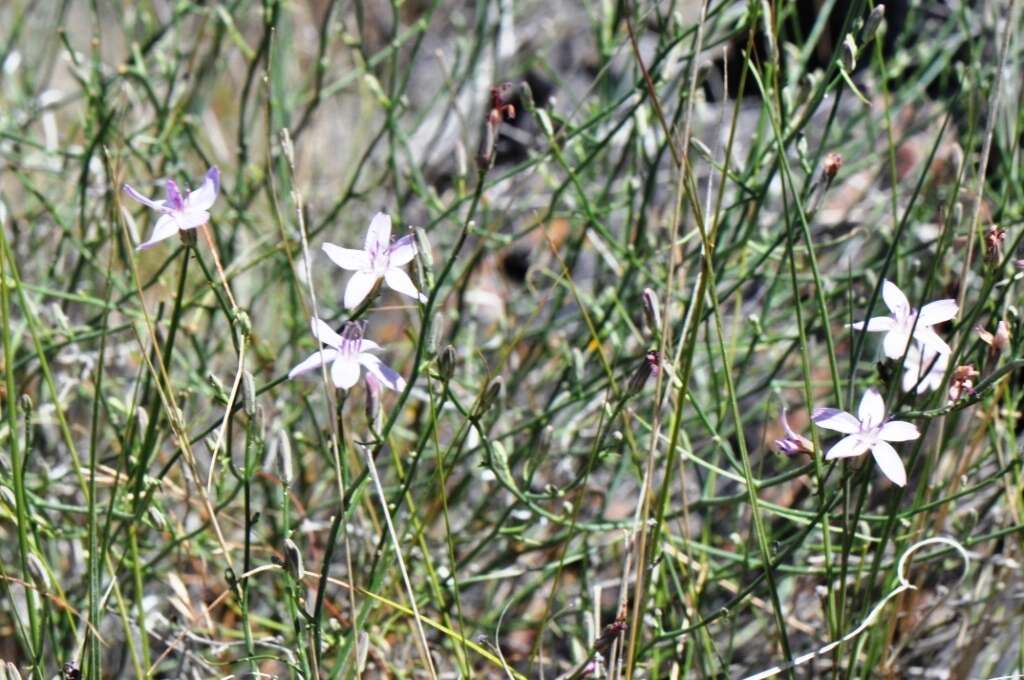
x,y
379,259
906,322
180,213
348,354
868,430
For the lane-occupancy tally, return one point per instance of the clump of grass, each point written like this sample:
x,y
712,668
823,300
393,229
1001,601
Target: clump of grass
x,y
633,258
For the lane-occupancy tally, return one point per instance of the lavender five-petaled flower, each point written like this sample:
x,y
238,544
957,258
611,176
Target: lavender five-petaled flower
x,y
868,430
179,213
348,354
900,326
379,259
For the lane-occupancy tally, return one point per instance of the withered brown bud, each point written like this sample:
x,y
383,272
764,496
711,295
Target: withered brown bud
x,y
830,168
962,384
994,239
998,341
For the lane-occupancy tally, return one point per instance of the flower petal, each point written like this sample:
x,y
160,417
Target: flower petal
x,y
875,324
402,251
368,346
347,258
345,371
911,376
898,431
203,197
847,447
314,361
835,419
871,411
930,339
359,286
324,333
895,343
895,300
190,219
379,234
166,227
937,312
932,382
399,281
174,201
384,373
155,205
889,462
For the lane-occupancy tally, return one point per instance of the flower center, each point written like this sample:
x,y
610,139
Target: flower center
x,y
378,259
351,338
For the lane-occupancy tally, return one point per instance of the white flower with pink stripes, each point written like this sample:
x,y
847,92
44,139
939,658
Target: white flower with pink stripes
x,y
348,354
379,259
177,212
868,430
905,322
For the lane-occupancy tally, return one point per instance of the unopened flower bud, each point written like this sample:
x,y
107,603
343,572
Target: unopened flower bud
x,y
243,324
8,497
373,390
287,147
424,259
794,442
461,165
37,571
446,363
293,559
849,53
12,671
998,341
259,421
652,311
248,394
142,417
701,148
1002,339
874,20
490,396
648,367
769,32
157,518
284,458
